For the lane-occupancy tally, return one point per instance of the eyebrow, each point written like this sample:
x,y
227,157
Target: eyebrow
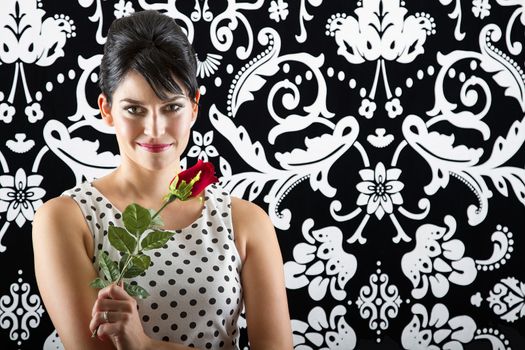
x,y
174,98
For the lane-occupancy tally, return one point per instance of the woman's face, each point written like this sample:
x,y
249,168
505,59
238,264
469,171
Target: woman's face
x,y
151,132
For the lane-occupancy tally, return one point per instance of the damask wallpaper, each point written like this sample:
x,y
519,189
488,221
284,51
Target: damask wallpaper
x,y
384,138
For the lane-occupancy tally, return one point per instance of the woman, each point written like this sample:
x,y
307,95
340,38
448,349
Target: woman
x,y
225,251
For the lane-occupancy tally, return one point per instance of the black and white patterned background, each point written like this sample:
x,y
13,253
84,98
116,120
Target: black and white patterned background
x,y
385,139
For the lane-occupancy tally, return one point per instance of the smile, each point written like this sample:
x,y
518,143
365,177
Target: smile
x,y
154,147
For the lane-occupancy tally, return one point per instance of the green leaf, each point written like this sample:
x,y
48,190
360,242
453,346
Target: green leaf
x,y
121,239
136,291
109,267
156,239
136,219
157,222
138,264
99,283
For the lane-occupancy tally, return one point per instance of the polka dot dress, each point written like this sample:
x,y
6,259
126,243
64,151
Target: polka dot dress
x,y
194,282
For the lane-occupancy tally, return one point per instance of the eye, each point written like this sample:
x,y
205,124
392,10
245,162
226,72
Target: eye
x,y
173,107
134,110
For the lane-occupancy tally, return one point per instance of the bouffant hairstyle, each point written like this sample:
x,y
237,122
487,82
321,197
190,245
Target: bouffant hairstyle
x,y
153,45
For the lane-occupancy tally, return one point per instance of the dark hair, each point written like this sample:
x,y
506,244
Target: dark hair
x,y
153,45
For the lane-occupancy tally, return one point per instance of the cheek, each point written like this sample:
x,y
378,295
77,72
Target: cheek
x,y
126,129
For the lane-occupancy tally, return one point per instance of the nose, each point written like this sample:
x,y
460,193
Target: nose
x,y
154,125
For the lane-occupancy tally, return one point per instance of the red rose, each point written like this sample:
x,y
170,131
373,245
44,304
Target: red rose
x,y
192,181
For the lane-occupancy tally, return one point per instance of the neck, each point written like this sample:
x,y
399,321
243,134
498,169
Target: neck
x,y
144,184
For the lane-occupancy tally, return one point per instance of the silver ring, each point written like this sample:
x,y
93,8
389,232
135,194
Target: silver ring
x,y
105,317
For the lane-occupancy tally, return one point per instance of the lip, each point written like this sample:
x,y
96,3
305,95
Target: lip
x,y
154,147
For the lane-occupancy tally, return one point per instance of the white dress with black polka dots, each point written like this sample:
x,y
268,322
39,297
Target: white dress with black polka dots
x,y
194,283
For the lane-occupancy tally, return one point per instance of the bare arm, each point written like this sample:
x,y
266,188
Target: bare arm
x,y
265,298
62,249
63,271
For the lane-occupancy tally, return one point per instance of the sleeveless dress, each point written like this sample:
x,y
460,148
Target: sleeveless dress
x,y
194,283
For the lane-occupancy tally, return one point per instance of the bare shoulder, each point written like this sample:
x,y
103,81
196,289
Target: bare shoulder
x,y
251,225
248,216
58,211
61,221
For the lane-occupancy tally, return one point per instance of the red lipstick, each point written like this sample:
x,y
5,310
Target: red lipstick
x,y
154,147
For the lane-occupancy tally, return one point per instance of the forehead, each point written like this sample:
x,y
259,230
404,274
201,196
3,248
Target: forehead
x,y
135,85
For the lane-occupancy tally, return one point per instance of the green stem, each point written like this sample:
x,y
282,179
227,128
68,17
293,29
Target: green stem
x,y
121,276
161,208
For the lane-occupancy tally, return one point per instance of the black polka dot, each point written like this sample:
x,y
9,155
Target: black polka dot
x,y
155,329
202,290
183,314
193,325
165,338
160,272
171,282
109,206
183,291
98,199
220,229
164,316
152,283
174,327
89,217
191,280
193,302
145,318
154,306
117,216
163,293
173,304
202,313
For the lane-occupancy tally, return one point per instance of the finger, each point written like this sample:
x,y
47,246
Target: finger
x,y
112,305
106,317
113,292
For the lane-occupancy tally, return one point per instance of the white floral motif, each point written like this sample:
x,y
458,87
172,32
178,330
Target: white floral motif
x,y
6,112
20,311
379,190
203,147
278,10
507,299
437,330
481,8
437,260
394,108
20,196
34,112
324,333
378,301
367,108
26,38
334,269
123,9
380,33
209,66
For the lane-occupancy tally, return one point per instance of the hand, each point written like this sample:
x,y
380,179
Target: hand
x,y
116,316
